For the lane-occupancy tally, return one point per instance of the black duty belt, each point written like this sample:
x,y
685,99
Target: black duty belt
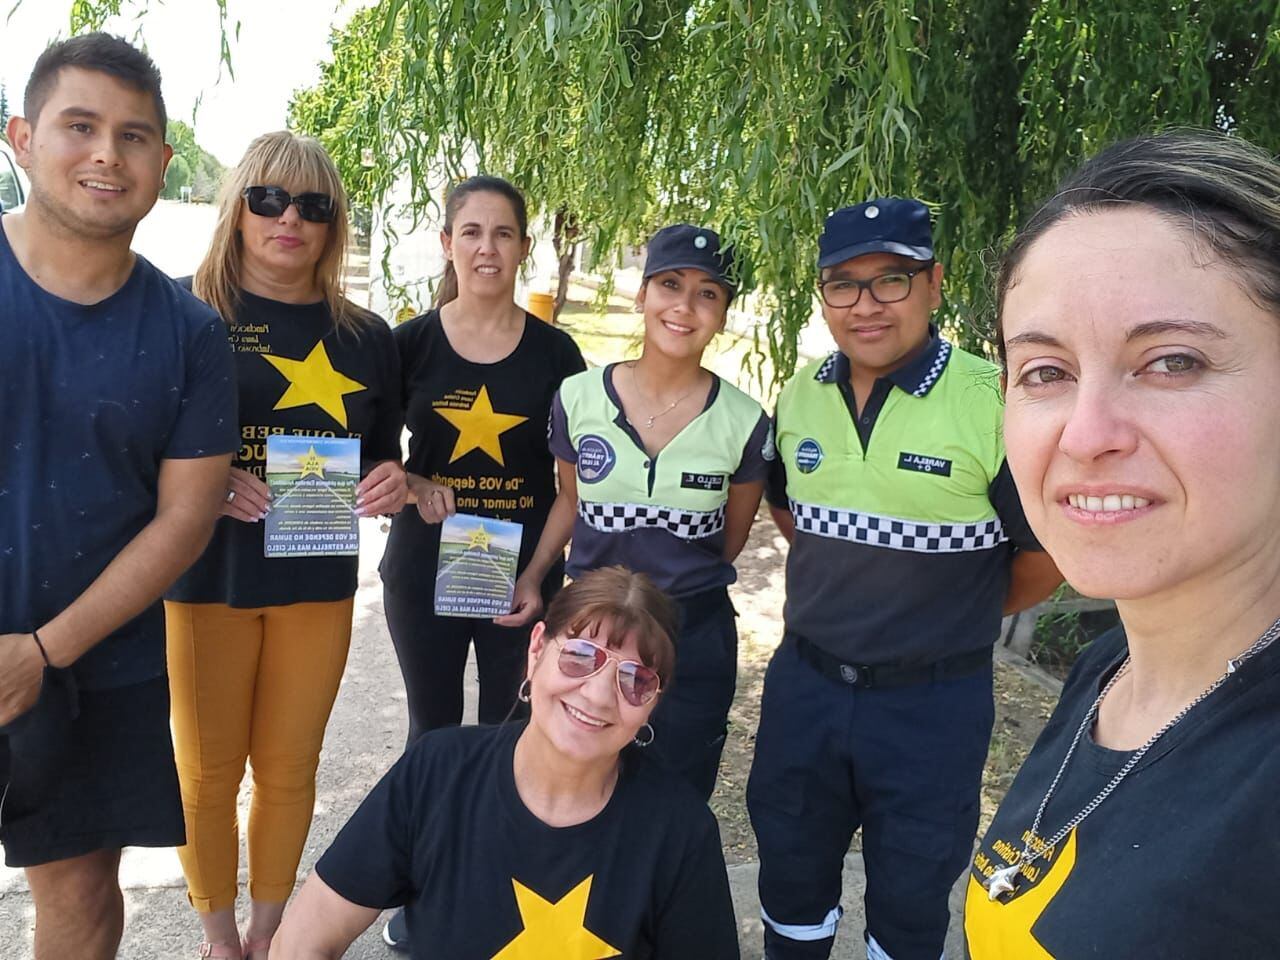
x,y
882,675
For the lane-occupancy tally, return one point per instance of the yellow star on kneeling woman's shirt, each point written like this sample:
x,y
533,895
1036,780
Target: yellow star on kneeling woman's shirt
x,y
479,427
313,380
555,931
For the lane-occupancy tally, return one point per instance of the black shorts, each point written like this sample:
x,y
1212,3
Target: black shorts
x,y
87,770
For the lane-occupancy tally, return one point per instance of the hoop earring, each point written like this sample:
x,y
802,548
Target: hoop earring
x,y
526,689
642,743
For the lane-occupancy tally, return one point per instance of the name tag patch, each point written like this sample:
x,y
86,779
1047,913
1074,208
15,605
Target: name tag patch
x,y
922,464
703,481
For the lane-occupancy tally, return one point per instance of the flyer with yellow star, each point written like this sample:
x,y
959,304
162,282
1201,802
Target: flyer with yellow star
x,y
313,496
476,575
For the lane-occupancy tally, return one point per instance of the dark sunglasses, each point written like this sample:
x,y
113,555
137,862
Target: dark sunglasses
x,y
274,201
581,658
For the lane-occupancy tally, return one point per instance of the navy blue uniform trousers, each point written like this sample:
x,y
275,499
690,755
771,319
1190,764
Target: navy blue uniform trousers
x,y
691,718
904,764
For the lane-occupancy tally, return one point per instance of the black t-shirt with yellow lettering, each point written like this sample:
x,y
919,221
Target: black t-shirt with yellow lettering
x,y
480,428
1181,862
299,374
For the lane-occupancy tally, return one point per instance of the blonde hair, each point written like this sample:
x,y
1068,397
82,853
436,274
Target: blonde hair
x,y
300,165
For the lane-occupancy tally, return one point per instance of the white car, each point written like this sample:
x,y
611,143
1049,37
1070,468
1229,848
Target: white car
x,y
13,181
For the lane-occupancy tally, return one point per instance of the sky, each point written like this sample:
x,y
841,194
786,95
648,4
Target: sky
x,y
280,46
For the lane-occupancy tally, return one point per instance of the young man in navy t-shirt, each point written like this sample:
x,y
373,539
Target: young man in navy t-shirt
x,y
117,422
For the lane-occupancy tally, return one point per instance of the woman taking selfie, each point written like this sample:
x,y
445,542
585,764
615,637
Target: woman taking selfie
x,y
1139,315
662,467
555,837
257,645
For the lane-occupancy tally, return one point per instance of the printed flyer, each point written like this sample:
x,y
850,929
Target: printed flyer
x,y
313,496
476,576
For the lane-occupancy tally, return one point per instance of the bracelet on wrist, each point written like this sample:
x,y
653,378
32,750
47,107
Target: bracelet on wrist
x,y
43,652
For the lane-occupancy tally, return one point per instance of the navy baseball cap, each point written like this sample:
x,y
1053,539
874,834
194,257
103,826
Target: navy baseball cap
x,y
884,225
683,246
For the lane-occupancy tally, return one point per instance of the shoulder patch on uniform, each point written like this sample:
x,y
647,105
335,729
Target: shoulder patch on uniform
x,y
923,464
769,450
808,455
595,458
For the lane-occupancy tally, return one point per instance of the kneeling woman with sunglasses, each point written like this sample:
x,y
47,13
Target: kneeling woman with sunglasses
x,y
556,837
257,645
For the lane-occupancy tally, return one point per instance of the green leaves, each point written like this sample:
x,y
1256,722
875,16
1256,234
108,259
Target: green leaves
x,y
759,117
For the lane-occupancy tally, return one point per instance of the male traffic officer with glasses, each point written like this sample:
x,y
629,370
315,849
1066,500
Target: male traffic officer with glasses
x,y
907,544
117,431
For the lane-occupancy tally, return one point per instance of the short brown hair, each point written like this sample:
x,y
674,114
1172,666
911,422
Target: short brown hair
x,y
624,603
100,52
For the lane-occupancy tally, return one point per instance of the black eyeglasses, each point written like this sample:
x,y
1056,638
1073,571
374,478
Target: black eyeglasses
x,y
886,288
274,201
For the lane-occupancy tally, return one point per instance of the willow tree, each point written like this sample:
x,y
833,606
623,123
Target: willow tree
x,y
761,116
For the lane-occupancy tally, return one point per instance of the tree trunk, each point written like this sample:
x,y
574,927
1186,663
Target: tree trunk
x,y
564,238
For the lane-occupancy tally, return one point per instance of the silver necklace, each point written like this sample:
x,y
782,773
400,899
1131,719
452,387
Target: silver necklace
x,y
671,406
1005,880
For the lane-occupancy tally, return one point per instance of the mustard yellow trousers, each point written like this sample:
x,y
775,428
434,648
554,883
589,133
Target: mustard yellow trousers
x,y
258,685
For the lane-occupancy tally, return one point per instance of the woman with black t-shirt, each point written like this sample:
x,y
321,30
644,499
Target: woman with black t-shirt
x,y
478,374
555,838
1139,318
257,645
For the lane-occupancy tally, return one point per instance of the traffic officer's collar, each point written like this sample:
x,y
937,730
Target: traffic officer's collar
x,y
916,378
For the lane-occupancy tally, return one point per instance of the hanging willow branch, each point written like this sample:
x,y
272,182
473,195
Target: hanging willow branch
x,y
759,117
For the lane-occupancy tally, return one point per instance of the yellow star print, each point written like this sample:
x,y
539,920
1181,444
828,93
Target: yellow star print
x,y
312,465
479,427
1002,931
555,931
478,538
314,380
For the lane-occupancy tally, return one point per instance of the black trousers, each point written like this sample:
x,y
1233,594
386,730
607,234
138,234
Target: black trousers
x,y
432,651
904,764
692,717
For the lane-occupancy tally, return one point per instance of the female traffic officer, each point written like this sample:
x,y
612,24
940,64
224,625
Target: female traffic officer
x,y
661,467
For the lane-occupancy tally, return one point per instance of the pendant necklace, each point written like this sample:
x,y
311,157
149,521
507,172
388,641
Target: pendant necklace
x,y
1004,882
671,406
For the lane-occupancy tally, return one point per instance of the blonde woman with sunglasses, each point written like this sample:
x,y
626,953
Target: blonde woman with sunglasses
x,y
555,837
257,645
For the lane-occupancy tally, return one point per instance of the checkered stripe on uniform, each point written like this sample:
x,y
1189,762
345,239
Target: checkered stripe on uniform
x,y
826,372
897,534
935,369
624,517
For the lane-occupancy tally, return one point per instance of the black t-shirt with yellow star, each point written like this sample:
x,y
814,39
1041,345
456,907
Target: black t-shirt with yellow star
x,y
480,428
1181,862
446,835
300,374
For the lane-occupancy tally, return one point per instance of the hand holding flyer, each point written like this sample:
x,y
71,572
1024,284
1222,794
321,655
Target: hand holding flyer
x,y
476,576
313,495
